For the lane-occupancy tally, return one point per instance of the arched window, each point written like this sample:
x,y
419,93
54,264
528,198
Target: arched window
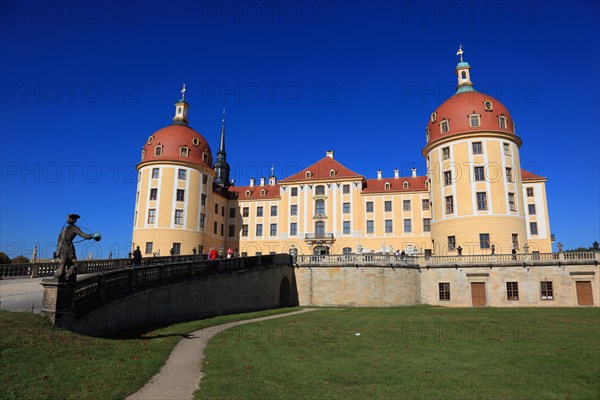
x,y
433,117
308,174
248,193
263,192
150,139
332,173
405,185
387,186
320,228
195,142
488,105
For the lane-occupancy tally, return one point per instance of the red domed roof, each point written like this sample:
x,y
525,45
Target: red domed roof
x,y
172,139
493,116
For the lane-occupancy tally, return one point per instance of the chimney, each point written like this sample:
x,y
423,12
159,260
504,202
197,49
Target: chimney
x,y
251,182
262,181
396,175
378,174
329,153
414,172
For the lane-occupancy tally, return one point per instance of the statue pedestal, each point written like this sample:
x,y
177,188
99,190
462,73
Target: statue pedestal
x,y
58,302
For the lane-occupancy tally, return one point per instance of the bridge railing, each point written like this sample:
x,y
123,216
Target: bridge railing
x,y
90,292
360,259
45,269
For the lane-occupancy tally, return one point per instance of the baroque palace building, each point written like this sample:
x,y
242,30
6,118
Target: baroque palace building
x,y
475,194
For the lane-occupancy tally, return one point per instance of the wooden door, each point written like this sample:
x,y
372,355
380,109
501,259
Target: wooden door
x,y
478,294
584,293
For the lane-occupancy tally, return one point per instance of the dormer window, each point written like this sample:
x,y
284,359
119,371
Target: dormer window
x,y
502,121
488,105
405,185
387,186
183,151
158,150
204,157
427,134
308,174
195,142
263,192
433,117
248,193
474,121
332,173
444,126
150,139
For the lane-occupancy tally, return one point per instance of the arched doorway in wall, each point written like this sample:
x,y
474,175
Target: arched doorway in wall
x,y
285,293
320,250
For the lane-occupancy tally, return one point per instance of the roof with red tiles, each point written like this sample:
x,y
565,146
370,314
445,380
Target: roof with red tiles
x,y
172,138
270,192
530,176
456,111
396,184
321,170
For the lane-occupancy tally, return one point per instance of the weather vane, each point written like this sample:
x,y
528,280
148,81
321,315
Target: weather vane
x,y
183,92
460,53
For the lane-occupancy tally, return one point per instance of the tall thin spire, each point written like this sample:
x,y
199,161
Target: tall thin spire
x,y
464,74
221,166
181,109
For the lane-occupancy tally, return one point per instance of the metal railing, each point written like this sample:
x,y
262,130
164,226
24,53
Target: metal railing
x,y
360,259
92,291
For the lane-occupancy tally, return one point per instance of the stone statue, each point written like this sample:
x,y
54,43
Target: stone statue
x,y
65,250
559,247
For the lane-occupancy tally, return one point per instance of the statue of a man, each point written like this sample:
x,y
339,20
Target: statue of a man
x,y
65,251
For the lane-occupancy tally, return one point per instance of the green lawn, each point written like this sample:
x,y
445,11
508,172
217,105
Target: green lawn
x,y
410,353
38,361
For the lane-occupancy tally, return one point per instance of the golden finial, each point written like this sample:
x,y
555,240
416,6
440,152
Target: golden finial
x,y
460,53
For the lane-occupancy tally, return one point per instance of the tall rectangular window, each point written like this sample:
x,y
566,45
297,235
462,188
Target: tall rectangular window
x,y
259,211
546,290
176,249
153,193
529,192
273,211
320,206
444,289
216,208
531,209
273,231
512,290
481,201
294,192
245,230
506,149
231,230
388,226
484,240
477,149
425,204
178,217
293,229
346,208
346,189
346,227
444,126
370,226
181,174
407,225
259,230
148,247
479,173
511,202
215,227
449,204
509,176
426,224
222,211
447,178
232,211
204,179
369,206
451,243
202,220
203,200
387,205
155,172
152,215
245,211
180,194
445,153
406,205
533,228
294,209
474,121
515,241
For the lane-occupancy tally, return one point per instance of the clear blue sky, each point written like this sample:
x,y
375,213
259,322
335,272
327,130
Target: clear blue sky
x,y
83,85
